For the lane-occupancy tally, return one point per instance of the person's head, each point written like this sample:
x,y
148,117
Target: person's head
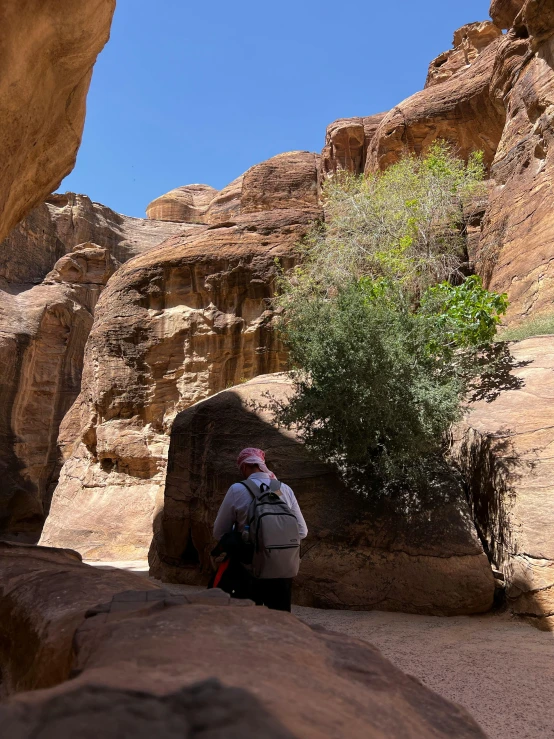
x,y
247,469
252,460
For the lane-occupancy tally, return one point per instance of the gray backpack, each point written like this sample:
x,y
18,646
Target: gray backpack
x,y
273,532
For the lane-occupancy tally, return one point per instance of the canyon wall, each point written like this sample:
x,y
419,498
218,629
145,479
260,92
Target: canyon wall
x,y
47,51
53,266
43,332
63,221
175,325
504,449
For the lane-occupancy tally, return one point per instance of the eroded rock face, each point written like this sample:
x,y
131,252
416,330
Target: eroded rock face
x,y
225,207
44,329
460,110
56,226
505,450
147,663
285,181
42,340
469,41
187,204
346,143
44,596
504,12
357,555
518,231
175,325
47,52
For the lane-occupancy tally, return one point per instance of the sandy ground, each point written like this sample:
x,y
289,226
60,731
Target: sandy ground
x,y
500,669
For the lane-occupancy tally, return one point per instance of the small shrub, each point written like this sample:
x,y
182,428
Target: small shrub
x,y
404,224
541,325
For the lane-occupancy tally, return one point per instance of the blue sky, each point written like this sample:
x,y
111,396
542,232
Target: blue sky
x,y
198,92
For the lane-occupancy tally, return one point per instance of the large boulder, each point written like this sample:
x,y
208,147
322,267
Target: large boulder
x,y
175,325
144,662
43,331
187,204
421,557
47,51
505,451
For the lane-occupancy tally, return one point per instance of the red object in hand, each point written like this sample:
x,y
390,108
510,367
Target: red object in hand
x,y
220,572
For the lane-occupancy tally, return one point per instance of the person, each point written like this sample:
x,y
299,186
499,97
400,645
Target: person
x,y
274,593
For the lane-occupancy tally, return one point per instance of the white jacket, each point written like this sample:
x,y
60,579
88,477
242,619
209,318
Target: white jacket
x,y
236,503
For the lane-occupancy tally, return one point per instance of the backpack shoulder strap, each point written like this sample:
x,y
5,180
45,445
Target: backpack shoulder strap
x,y
251,487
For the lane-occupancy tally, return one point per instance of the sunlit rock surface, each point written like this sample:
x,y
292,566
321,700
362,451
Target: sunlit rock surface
x,y
47,51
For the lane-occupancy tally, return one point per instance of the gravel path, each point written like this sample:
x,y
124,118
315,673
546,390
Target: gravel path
x,y
500,669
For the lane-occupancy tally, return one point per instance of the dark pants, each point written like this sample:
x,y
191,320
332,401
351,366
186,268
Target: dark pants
x,y
275,594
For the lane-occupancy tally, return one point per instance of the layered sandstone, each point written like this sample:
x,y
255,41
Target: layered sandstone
x,y
175,325
347,141
285,181
49,287
47,51
505,450
42,340
56,226
421,556
504,12
469,41
147,663
460,110
225,206
516,254
187,204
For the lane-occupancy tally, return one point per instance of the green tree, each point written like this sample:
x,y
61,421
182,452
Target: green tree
x,y
383,348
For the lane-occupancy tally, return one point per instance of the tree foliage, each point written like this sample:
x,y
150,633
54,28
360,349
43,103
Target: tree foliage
x,y
384,348
403,224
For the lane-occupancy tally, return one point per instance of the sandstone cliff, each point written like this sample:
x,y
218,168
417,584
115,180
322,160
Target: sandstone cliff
x,y
47,52
173,328
469,41
516,250
56,226
461,110
505,450
175,325
49,287
43,331
187,204
346,144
